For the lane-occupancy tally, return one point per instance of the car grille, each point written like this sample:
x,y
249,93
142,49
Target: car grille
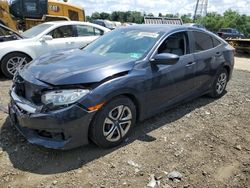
x,y
27,90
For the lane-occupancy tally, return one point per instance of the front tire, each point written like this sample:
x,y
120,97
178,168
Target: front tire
x,y
11,62
220,84
113,123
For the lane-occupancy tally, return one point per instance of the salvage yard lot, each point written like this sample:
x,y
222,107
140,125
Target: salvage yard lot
x,y
206,140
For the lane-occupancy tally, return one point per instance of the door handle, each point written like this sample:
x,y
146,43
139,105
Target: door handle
x,y
190,64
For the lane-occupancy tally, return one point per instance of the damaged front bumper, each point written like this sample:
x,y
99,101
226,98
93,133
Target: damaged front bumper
x,y
61,129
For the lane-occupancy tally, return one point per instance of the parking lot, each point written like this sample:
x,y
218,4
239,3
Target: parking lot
x,y
206,140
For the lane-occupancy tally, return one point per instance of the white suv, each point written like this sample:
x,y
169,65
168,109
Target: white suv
x,y
45,38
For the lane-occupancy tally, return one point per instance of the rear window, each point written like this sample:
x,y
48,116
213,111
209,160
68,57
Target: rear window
x,y
84,30
202,41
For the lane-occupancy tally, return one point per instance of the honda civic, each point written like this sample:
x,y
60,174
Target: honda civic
x,y
98,93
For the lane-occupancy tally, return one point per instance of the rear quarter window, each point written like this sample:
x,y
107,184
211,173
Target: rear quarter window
x,y
216,42
202,41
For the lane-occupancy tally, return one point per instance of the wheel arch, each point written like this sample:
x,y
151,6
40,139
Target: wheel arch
x,y
16,52
228,69
130,96
136,102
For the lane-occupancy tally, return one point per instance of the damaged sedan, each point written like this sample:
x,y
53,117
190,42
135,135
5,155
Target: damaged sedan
x,y
98,93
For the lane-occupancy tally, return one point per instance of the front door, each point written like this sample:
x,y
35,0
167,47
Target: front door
x,y
172,83
63,39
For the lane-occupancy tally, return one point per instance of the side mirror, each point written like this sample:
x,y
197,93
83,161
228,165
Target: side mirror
x,y
46,38
165,59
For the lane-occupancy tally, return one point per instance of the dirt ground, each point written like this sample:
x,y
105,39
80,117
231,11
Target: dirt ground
x,y
207,141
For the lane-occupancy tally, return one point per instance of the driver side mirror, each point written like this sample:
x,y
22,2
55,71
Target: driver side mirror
x,y
165,59
46,38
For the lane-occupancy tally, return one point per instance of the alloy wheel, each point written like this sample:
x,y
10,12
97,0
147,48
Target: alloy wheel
x,y
15,62
118,123
221,83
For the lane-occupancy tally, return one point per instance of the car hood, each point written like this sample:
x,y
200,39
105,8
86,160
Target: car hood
x,y
74,67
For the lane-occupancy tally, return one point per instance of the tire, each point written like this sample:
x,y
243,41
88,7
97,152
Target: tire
x,y
11,61
220,84
113,123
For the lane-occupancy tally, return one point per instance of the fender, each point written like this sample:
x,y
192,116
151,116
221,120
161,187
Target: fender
x,y
7,49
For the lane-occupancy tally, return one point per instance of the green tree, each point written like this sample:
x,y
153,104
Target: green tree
x,y
89,19
186,18
230,19
95,15
104,16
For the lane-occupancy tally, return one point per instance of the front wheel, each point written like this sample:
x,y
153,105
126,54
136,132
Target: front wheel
x,y
12,61
220,84
113,122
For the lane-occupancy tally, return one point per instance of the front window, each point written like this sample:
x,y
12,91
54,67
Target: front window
x,y
124,44
63,32
175,44
34,31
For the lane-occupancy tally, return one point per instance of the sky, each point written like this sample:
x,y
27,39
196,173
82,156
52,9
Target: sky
x,y
163,6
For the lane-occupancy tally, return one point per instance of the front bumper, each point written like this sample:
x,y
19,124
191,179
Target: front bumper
x,y
61,129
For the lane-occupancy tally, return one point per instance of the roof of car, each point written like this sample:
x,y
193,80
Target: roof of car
x,y
66,22
162,27
62,23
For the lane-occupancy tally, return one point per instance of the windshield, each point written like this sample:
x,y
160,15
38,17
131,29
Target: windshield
x,y
124,44
34,31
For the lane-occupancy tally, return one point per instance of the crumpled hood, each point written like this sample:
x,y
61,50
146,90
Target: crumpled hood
x,y
74,67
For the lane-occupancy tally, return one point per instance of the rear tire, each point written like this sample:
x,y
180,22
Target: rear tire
x,y
11,61
113,123
220,84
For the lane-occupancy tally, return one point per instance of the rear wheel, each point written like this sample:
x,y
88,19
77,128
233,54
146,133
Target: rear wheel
x,y
113,122
219,84
12,61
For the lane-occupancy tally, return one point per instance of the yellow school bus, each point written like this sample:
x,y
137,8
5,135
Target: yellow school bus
x,y
24,14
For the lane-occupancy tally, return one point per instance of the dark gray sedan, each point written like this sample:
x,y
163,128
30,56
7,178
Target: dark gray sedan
x,y
98,93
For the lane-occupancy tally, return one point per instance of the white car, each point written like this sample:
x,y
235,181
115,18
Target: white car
x,y
45,38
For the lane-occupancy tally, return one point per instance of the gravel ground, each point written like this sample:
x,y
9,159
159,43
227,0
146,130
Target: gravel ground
x,y
203,143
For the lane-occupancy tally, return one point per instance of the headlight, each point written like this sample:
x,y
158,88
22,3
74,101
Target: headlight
x,y
63,97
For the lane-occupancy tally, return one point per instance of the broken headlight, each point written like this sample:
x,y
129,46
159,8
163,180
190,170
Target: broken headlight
x,y
63,97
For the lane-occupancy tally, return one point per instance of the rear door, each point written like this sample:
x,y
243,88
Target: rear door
x,y
86,34
208,55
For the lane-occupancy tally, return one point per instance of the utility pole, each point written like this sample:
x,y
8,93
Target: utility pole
x,y
200,9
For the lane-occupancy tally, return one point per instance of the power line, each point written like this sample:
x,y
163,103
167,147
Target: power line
x,y
200,8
